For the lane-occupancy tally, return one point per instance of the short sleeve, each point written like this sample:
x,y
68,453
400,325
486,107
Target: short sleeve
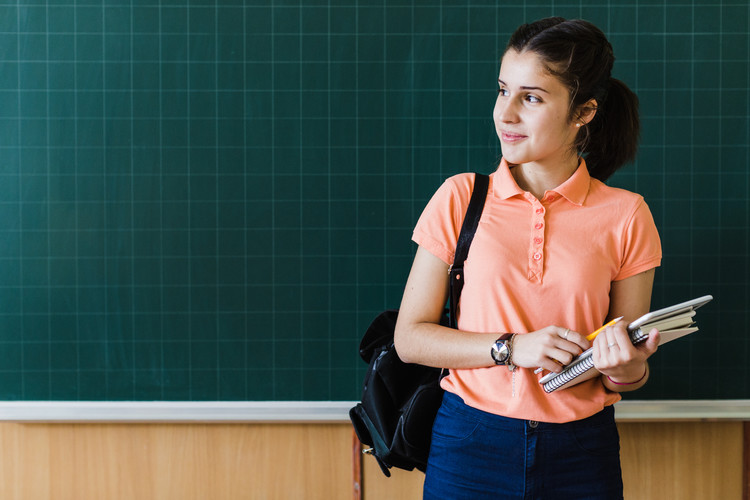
x,y
641,245
440,223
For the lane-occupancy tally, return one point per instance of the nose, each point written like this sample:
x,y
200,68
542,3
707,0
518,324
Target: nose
x,y
505,110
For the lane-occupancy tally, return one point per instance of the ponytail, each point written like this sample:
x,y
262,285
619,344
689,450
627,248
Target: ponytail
x,y
610,140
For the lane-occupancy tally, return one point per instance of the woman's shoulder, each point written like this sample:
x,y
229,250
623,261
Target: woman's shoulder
x,y
463,180
619,203
615,194
458,187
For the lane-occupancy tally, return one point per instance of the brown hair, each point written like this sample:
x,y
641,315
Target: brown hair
x,y
579,54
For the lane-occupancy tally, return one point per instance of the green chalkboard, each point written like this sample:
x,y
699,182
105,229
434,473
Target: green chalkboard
x,y
211,200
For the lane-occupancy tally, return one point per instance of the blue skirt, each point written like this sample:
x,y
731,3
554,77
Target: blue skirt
x,y
476,455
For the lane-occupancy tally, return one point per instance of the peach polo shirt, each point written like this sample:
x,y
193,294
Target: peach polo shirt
x,y
535,263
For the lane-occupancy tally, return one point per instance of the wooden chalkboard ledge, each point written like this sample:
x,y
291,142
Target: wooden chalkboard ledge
x,y
312,411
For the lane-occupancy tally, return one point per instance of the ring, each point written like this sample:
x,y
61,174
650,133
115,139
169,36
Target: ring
x,y
565,335
612,344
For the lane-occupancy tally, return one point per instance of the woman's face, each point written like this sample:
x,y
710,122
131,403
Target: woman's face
x,y
532,113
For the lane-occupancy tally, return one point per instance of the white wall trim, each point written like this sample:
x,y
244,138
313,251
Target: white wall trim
x,y
177,411
709,409
310,411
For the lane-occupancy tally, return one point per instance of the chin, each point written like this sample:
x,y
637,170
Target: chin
x,y
512,157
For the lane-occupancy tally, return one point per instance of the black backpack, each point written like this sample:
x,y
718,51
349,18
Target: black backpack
x,y
400,400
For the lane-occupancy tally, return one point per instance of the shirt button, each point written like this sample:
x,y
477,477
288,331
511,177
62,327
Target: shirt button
x,y
537,256
540,210
538,241
538,225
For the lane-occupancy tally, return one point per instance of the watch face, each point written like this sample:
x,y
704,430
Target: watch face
x,y
500,352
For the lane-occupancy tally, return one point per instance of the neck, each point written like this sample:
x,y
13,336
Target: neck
x,y
538,179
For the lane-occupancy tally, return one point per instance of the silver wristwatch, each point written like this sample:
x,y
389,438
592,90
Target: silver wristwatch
x,y
501,350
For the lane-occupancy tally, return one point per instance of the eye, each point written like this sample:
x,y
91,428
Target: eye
x,y
503,92
533,99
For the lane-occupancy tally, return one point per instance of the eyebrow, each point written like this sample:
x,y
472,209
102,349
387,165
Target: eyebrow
x,y
524,87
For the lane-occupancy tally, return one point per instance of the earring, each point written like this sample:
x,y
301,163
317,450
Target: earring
x,y
578,125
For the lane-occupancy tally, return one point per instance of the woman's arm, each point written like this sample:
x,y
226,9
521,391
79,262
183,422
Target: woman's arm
x,y
419,337
623,365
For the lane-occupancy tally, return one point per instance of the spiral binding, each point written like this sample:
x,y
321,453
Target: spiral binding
x,y
571,372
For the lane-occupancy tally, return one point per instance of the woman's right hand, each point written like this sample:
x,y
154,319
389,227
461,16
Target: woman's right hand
x,y
550,348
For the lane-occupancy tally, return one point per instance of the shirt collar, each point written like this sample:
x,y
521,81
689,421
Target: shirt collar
x,y
574,189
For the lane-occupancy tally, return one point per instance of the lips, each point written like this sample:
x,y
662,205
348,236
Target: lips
x,y
511,137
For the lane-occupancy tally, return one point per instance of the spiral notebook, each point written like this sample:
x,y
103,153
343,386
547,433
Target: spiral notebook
x,y
672,322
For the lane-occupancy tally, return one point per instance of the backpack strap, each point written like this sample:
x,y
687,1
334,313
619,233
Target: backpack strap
x,y
468,228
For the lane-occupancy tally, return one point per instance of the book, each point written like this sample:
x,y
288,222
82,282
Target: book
x,y
672,322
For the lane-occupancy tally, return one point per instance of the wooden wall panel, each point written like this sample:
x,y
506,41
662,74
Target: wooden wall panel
x,y
182,461
688,460
402,485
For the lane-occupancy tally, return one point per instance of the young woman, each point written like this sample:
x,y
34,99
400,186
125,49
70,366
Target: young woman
x,y
556,255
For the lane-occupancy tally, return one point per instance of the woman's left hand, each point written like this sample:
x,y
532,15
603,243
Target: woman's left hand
x,y
618,359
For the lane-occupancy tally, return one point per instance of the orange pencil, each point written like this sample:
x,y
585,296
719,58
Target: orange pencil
x,y
593,335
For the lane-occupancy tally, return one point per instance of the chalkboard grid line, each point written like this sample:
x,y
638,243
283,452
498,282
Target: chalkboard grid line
x,y
274,347
746,242
20,184
162,252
